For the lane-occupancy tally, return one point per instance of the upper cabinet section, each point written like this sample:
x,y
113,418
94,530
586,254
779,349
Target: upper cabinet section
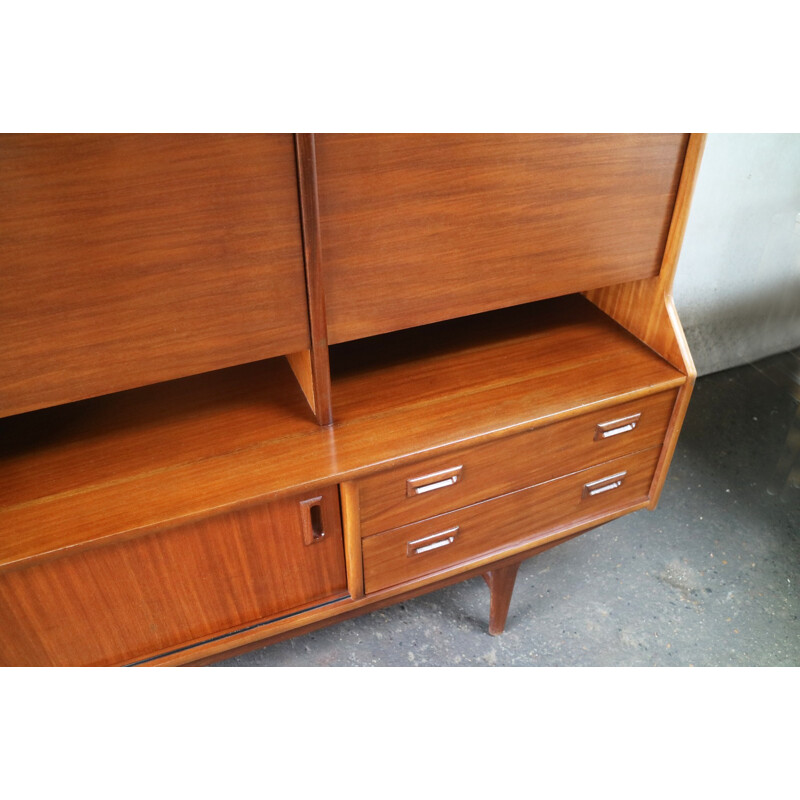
x,y
132,259
416,228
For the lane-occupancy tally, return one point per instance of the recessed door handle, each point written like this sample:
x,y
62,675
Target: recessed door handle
x,y
311,520
604,485
433,542
434,481
615,427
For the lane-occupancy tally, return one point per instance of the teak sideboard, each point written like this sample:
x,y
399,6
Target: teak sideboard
x,y
254,384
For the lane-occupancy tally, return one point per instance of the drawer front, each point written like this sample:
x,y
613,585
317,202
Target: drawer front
x,y
531,514
444,483
124,601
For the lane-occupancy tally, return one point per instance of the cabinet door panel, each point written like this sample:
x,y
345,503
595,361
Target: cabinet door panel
x,y
132,259
416,227
122,602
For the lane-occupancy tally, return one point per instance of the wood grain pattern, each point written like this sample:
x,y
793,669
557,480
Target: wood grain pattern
x,y
501,586
114,604
351,525
647,309
167,522
110,440
511,463
543,347
417,228
306,622
128,463
129,259
315,378
541,512
300,364
671,441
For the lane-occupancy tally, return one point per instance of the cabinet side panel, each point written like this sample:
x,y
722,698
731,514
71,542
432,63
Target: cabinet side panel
x,y
123,602
416,228
647,310
132,259
645,307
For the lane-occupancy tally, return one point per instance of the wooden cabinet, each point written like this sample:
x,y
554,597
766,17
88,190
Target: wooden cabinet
x,y
486,319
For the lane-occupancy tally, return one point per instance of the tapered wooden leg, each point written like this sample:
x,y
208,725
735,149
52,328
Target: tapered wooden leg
x,y
501,585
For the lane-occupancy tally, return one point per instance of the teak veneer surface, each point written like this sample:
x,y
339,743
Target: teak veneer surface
x,y
176,517
111,439
510,463
314,619
167,455
418,228
317,374
129,259
113,604
540,359
539,512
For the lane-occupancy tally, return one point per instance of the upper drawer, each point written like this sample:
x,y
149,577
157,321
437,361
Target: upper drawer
x,y
421,227
444,483
129,259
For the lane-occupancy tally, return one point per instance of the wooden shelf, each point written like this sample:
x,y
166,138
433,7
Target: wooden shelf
x,y
131,461
128,462
486,375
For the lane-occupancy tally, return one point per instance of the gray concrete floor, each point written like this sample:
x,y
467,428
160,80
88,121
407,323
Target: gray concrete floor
x,y
708,579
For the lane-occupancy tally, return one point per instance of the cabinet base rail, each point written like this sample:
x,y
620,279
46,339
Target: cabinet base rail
x,y
184,657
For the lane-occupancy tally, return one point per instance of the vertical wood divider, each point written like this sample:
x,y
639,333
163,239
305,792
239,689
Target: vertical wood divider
x,y
312,367
351,528
646,309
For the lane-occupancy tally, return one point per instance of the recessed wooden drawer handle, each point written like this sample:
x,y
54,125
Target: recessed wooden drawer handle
x,y
606,429
433,542
311,515
436,480
604,485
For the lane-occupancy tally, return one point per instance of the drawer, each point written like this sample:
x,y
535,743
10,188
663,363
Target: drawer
x,y
524,516
444,483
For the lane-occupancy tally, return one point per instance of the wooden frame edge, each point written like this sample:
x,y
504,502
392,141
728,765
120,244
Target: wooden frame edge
x,y
312,370
351,530
680,214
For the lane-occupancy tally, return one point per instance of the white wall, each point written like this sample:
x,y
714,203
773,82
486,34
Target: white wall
x,y
737,288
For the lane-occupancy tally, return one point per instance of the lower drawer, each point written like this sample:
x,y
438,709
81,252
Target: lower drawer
x,y
527,515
